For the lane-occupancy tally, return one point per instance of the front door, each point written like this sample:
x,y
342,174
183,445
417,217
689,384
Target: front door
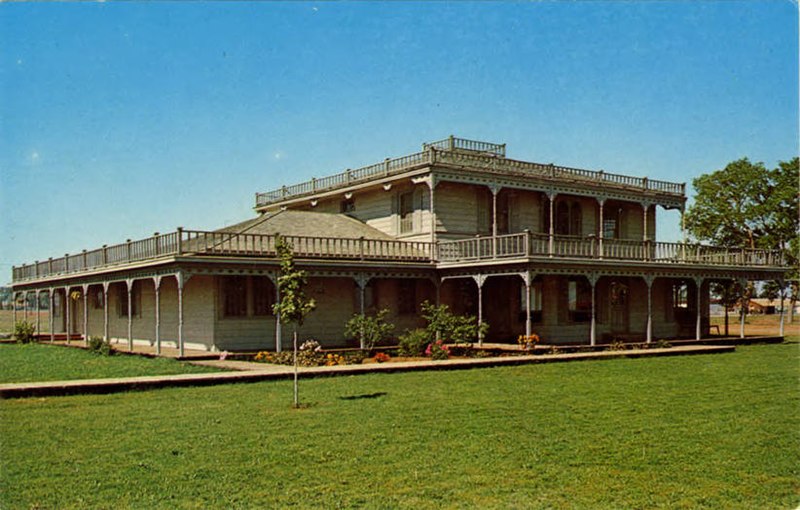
x,y
618,300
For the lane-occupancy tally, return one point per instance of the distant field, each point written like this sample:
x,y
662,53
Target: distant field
x,y
7,320
758,324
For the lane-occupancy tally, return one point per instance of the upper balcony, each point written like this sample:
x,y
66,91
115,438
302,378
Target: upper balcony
x,y
198,244
462,153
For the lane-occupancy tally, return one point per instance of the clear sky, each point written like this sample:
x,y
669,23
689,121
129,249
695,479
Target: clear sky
x,y
121,119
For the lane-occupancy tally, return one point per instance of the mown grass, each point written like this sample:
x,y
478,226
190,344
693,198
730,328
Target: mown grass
x,y
41,362
712,431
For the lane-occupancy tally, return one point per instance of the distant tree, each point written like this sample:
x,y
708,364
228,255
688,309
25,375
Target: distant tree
x,y
747,205
294,304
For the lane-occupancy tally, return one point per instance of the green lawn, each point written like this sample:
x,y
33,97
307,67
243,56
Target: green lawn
x,y
711,431
41,362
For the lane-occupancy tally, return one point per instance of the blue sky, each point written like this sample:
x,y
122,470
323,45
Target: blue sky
x,y
121,119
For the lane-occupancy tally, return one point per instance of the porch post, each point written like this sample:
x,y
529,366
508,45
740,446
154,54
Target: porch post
x,y
593,329
85,289
277,318
67,299
601,229
14,308
552,230
52,312
129,286
105,311
38,332
645,207
157,289
697,332
743,310
526,277
179,277
495,190
432,186
25,306
649,281
479,280
683,233
361,282
782,285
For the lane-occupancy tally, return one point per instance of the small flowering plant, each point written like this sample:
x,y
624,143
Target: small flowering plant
x,y
381,357
528,342
437,350
311,346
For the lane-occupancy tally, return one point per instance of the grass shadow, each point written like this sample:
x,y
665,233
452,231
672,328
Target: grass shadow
x,y
365,396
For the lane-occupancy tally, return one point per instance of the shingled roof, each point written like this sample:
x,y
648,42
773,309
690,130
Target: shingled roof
x,y
307,223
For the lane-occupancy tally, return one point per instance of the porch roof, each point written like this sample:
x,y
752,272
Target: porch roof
x,y
308,224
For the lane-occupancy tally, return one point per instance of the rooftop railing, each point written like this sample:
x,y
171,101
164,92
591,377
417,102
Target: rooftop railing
x,y
478,249
460,152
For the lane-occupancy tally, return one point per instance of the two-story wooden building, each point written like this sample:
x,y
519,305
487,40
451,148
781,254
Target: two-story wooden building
x,y
569,254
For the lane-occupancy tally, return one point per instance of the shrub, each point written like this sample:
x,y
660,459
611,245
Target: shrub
x,y
444,325
437,350
413,343
23,332
382,357
465,350
617,345
369,331
97,345
663,344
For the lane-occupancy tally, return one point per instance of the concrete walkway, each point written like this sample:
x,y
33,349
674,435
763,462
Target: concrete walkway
x,y
254,372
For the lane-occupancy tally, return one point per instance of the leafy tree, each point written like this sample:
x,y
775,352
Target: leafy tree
x,y
444,325
294,304
747,205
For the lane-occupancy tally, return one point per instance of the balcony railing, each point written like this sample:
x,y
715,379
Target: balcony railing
x,y
478,249
528,244
487,157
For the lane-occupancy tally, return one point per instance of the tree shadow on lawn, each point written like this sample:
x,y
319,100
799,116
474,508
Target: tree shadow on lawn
x,y
364,396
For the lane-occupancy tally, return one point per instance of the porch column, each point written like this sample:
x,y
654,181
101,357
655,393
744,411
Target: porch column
x,y
645,207
683,233
432,187
85,289
495,190
38,331
52,304
601,229
479,280
67,299
14,308
361,282
277,317
649,281
179,276
25,306
782,286
697,332
105,311
526,278
157,289
129,286
743,309
552,230
593,329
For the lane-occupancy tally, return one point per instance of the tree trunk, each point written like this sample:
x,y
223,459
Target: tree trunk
x,y
726,319
296,392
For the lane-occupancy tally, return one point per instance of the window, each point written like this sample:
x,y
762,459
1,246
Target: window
x,y
407,212
611,222
579,300
407,296
263,295
545,226
56,304
680,295
136,297
97,299
569,219
536,301
347,206
234,294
